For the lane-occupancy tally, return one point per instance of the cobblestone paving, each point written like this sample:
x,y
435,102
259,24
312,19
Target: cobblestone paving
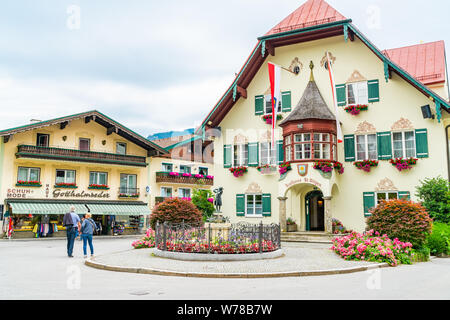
x,y
297,257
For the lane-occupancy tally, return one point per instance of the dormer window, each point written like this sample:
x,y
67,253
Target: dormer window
x,y
357,93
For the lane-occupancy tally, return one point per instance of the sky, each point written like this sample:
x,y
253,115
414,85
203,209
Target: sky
x,y
160,65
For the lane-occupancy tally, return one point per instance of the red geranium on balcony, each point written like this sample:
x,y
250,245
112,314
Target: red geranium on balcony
x,y
31,183
98,186
66,185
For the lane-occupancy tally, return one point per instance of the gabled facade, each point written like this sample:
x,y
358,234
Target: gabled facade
x,y
86,160
391,124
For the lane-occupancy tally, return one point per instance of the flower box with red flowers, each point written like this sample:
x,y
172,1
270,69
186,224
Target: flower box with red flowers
x,y
365,165
266,169
328,166
403,164
268,118
356,109
284,167
98,187
22,183
66,185
238,171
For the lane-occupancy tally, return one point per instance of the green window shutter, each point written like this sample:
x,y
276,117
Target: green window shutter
x,y
227,156
349,147
341,95
240,205
374,90
267,204
259,105
421,143
253,154
286,101
280,151
369,202
384,145
404,195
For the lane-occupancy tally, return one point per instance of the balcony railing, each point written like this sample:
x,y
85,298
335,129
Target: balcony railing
x,y
128,192
171,177
28,151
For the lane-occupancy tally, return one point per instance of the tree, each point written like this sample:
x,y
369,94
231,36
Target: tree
x,y
203,199
176,211
434,193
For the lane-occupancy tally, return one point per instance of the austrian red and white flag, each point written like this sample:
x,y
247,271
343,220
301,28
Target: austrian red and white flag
x,y
333,90
275,79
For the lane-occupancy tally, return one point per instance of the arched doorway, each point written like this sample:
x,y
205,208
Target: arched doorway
x,y
315,211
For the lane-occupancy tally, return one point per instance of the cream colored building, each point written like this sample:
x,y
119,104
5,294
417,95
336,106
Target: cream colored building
x,y
393,126
86,160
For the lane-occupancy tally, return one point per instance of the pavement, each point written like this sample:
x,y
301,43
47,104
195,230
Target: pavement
x,y
42,270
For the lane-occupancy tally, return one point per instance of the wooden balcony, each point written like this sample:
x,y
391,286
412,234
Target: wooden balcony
x,y
166,177
27,151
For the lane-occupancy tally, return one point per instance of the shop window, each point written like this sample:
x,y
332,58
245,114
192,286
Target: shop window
x,y
240,155
65,176
167,167
184,192
203,171
100,178
404,144
253,205
357,93
128,183
185,169
121,148
28,174
42,140
85,144
166,192
366,147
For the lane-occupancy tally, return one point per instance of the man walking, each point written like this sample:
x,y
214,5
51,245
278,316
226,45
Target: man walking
x,y
72,223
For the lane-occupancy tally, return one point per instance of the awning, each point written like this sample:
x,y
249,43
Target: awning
x,y
119,209
46,208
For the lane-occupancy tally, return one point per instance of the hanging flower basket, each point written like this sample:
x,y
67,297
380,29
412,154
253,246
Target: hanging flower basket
x,y
268,118
365,165
22,183
284,167
266,169
238,171
403,164
328,166
356,109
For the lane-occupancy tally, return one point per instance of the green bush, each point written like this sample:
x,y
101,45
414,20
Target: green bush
x,y
439,239
175,210
398,218
203,199
435,196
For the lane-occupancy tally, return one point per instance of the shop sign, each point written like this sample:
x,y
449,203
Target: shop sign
x,y
304,180
18,193
77,194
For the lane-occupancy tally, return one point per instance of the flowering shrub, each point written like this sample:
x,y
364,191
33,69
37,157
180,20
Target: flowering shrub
x,y
175,210
238,171
268,118
225,247
365,165
356,109
402,219
203,200
367,247
403,164
284,167
148,241
338,227
28,183
186,198
328,166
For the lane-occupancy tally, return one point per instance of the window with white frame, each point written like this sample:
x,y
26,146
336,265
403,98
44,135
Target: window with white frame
x,y
404,144
100,178
240,155
389,195
267,155
203,171
357,93
167,167
302,146
185,169
166,192
253,205
321,150
121,148
28,174
268,104
65,176
366,147
184,192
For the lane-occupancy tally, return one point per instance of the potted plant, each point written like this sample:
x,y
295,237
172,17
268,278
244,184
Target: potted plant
x,y
291,226
266,169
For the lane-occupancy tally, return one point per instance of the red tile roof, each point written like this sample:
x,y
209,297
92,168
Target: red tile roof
x,y
311,13
425,62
